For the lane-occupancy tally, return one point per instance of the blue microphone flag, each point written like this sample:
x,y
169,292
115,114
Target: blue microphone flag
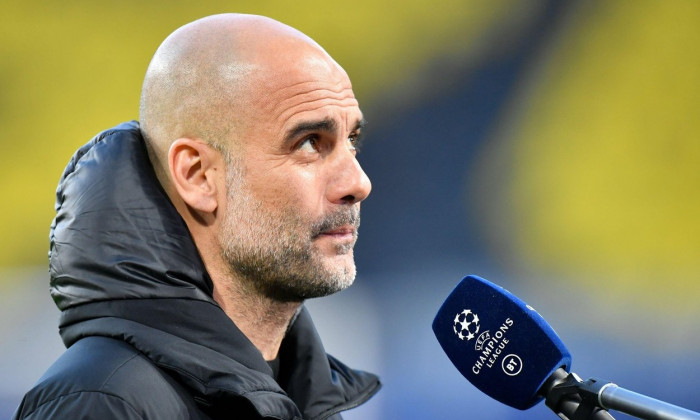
x,y
498,342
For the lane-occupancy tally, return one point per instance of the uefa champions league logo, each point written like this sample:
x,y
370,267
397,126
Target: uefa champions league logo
x,y
466,324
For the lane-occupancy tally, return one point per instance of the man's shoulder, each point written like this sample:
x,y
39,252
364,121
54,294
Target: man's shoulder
x,y
100,377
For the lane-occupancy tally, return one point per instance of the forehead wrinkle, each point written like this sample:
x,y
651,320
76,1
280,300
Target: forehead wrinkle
x,y
314,82
282,110
339,94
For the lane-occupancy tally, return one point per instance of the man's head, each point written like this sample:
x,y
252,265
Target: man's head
x,y
251,127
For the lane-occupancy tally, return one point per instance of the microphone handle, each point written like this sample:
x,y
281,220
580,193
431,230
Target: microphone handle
x,y
572,399
566,401
613,397
568,407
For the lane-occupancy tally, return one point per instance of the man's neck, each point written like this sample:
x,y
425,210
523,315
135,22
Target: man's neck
x,y
263,320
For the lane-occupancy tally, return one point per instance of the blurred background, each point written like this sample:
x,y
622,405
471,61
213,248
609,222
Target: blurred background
x,y
549,146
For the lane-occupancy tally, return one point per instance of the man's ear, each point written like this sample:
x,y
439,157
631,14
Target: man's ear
x,y
193,168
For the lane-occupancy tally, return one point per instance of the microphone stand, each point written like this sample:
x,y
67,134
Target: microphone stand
x,y
573,399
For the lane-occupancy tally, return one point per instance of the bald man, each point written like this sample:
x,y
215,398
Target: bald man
x,y
184,246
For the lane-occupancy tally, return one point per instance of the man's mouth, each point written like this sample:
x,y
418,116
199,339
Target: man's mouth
x,y
341,232
340,225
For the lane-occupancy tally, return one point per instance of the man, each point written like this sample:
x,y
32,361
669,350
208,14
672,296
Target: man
x,y
184,246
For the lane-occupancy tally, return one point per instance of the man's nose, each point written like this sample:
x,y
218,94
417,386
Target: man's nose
x,y
348,183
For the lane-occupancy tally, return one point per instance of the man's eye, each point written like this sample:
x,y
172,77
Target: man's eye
x,y
309,144
353,142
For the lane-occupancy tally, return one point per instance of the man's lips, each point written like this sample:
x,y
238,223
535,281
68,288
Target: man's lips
x,y
340,232
339,225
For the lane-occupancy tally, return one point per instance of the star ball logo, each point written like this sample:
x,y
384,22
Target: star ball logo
x,y
466,324
490,346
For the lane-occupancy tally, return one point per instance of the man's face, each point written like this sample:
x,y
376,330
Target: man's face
x,y
295,187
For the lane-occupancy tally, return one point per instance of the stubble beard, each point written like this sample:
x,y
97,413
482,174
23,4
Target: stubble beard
x,y
273,251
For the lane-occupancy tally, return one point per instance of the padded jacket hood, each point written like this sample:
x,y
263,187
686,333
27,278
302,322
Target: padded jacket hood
x,y
123,265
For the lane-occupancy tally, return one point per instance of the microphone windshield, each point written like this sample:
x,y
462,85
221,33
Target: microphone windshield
x,y
498,342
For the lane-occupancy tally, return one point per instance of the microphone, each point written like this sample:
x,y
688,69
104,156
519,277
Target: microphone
x,y
510,353
498,342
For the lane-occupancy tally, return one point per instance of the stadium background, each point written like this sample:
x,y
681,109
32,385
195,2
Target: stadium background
x,y
549,146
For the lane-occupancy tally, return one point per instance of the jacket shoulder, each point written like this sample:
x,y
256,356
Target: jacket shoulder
x,y
105,378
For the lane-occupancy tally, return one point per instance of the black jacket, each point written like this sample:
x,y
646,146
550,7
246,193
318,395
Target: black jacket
x,y
145,338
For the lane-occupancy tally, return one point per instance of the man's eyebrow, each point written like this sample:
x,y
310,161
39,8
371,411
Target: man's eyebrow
x,y
360,124
326,124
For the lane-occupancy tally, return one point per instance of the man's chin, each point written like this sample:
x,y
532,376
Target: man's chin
x,y
341,272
